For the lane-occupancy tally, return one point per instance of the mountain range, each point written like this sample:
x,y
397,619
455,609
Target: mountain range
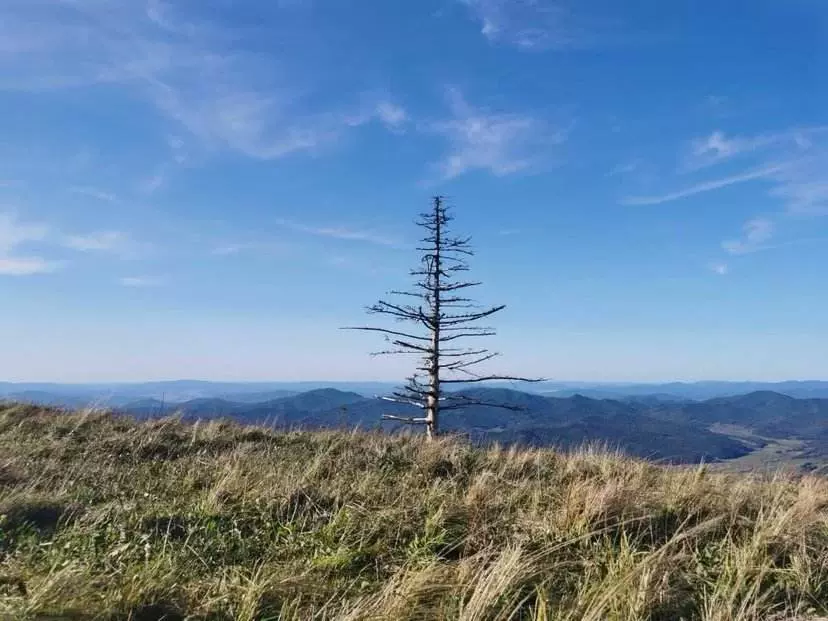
x,y
656,421
180,391
659,426
655,428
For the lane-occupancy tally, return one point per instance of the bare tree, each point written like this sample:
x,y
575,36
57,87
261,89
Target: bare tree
x,y
443,320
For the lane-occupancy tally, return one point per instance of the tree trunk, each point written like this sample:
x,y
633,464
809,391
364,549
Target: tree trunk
x,y
433,405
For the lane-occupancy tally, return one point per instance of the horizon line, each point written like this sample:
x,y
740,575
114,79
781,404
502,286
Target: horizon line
x,y
395,382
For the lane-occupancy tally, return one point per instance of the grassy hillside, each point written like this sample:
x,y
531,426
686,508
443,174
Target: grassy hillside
x,y
103,517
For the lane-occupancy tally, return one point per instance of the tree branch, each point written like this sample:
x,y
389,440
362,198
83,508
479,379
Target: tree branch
x,y
391,332
462,335
403,401
493,378
407,421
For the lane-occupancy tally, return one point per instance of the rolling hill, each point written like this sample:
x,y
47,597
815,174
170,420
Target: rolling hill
x,y
540,421
656,427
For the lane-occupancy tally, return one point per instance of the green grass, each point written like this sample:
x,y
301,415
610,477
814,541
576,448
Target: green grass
x,y
105,518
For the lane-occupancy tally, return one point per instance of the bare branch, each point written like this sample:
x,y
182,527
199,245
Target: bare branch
x,y
460,285
411,346
492,378
465,318
407,421
402,400
462,335
464,364
391,332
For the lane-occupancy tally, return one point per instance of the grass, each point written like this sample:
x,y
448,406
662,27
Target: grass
x,y
102,517
768,454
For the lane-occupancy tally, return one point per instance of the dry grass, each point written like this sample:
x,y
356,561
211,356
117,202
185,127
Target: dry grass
x,y
105,518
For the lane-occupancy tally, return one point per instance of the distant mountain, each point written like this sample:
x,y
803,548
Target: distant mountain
x,y
576,420
656,425
45,397
537,420
764,412
618,395
176,391
256,397
636,434
180,391
294,409
688,390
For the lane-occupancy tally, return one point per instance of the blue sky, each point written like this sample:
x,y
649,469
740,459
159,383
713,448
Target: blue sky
x,y
211,188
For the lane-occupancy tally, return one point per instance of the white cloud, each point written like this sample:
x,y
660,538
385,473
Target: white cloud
x,y
103,241
27,266
500,143
718,147
706,186
625,168
343,233
794,163
795,160
803,186
391,115
195,74
755,234
95,193
154,182
531,24
13,235
720,268
139,282
227,250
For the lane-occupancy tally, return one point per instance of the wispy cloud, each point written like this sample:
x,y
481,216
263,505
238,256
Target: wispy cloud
x,y
342,233
222,95
803,186
111,242
13,235
138,282
177,156
391,115
532,24
154,182
625,168
95,193
755,234
499,143
718,147
719,268
706,186
260,248
793,161
27,266
226,250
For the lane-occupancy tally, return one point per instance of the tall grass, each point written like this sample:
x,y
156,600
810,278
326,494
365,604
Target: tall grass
x,y
102,517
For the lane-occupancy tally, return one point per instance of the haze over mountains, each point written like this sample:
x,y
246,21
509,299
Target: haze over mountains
x,y
657,421
178,391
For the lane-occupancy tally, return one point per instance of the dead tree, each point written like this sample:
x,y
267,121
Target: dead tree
x,y
443,320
